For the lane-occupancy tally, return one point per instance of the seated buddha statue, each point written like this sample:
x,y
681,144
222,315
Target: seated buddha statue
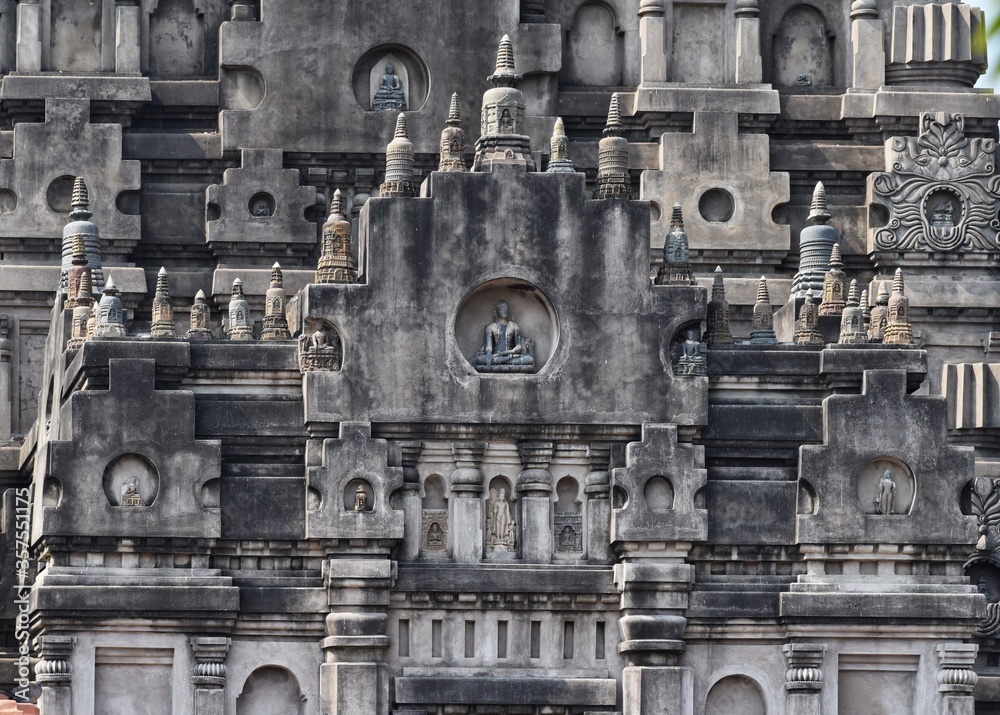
x,y
390,95
504,350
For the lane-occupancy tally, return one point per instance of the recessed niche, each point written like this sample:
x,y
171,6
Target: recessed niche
x,y
358,496
943,208
407,66
131,481
59,195
716,206
8,201
659,494
261,205
528,308
886,484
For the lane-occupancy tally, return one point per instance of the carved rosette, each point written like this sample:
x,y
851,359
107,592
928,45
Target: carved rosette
x,y
804,673
956,676
209,670
53,666
940,190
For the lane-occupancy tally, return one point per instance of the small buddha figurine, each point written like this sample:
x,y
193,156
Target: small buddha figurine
x,y
885,494
943,215
201,318
503,348
390,95
130,492
317,351
360,499
690,356
240,327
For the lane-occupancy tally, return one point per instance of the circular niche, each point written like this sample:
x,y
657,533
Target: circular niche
x,y
131,481
353,499
943,208
261,205
407,66
529,308
717,206
903,485
59,195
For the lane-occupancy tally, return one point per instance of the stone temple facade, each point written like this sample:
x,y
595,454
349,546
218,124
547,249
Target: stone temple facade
x,y
671,387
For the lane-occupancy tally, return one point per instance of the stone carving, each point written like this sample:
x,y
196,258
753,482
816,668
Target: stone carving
x,y
76,272
111,316
453,140
319,349
82,312
898,329
260,207
559,158
852,320
336,262
434,529
936,44
360,499
390,94
201,318
807,330
275,324
163,310
613,180
985,503
717,321
502,139
399,163
690,356
940,190
815,246
880,315
501,532
240,327
885,494
568,532
834,285
504,349
866,310
130,492
763,317
82,226
676,268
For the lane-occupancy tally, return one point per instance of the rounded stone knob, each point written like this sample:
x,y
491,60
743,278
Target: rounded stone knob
x,y
864,8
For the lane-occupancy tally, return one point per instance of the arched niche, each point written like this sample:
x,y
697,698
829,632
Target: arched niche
x,y
568,519
131,480
353,492
434,516
871,486
735,695
593,48
407,65
75,37
500,532
659,494
270,689
177,32
802,50
241,88
529,307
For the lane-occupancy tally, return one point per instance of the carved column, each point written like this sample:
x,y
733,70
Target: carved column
x,y
127,46
748,64
867,46
209,675
957,679
598,490
54,674
653,41
804,678
534,484
29,36
654,596
351,681
465,519
6,379
409,456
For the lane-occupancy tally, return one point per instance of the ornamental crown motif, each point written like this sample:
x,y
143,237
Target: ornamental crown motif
x,y
940,190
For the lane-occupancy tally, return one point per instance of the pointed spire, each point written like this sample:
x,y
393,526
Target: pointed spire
x,y
613,179
762,294
110,288
80,201
453,140
613,127
401,127
677,217
676,268
275,324
454,115
763,317
807,327
559,158
201,319
163,311
897,282
879,320
502,139
399,162
80,224
111,320
337,207
866,309
836,261
75,274
852,320
336,260
240,327
834,285
898,331
819,213
883,294
717,320
852,295
505,74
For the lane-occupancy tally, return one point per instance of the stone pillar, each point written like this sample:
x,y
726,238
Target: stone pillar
x,y
209,675
410,455
653,41
242,10
351,681
465,518
867,46
748,63
804,678
533,11
957,679
6,378
598,490
127,46
654,596
29,36
534,484
54,674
